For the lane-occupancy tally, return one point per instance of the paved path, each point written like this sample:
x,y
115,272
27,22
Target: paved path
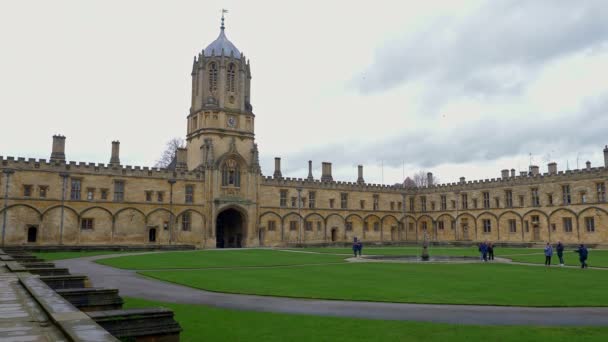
x,y
131,284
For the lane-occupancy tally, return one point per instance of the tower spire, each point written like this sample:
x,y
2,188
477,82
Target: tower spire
x,y
223,11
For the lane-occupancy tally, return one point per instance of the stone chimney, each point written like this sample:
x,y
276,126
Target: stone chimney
x,y
326,172
523,173
360,179
552,168
181,159
513,173
115,159
504,173
588,164
534,170
58,151
606,156
310,177
462,180
429,179
277,168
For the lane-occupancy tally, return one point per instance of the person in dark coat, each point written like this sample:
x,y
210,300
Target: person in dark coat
x,y
548,254
582,255
359,246
490,251
560,252
355,246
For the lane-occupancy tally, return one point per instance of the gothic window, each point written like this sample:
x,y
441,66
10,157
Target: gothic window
x,y
119,191
311,199
75,191
212,76
283,198
486,200
231,175
190,194
230,77
487,226
86,223
186,221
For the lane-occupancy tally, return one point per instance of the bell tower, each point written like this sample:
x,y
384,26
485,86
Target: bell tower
x,y
221,118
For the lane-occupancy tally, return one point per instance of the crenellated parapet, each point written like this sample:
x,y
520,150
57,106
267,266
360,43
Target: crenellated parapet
x,y
333,185
31,164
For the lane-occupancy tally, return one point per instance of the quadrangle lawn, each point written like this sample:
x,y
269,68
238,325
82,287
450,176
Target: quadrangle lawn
x,y
203,323
50,256
479,283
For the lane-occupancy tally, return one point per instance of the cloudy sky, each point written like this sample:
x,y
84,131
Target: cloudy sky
x,y
459,88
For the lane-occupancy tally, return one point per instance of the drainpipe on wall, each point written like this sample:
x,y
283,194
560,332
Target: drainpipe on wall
x,y
8,176
64,176
171,182
300,215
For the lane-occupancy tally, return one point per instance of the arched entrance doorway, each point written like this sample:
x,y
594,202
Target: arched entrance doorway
x,y
229,229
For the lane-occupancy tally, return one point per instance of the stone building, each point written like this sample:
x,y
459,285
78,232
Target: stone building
x,y
214,195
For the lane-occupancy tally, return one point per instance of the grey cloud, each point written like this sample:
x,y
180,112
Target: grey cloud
x,y
501,35
482,141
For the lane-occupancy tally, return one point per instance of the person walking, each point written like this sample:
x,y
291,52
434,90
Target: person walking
x,y
355,246
582,255
560,252
483,250
548,254
359,246
491,251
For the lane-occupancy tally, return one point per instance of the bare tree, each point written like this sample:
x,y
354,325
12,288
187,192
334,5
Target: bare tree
x,y
169,153
421,180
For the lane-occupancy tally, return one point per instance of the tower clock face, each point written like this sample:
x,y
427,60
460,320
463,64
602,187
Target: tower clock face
x,y
231,121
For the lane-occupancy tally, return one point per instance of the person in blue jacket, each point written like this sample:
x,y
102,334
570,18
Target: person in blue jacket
x,y
483,249
355,246
582,255
359,246
548,254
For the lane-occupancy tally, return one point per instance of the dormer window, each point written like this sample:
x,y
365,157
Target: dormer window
x,y
230,173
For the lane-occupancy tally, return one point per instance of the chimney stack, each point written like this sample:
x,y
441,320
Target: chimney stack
x,y
181,159
552,167
523,173
115,159
277,168
310,177
504,173
462,180
429,179
588,164
326,172
534,170
513,173
58,151
360,179
606,156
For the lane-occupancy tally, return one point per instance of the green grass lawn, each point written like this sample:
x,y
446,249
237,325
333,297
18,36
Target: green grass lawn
x,y
203,323
597,258
479,283
450,251
50,256
212,258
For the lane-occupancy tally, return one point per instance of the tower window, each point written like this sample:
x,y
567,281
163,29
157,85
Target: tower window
x,y
230,77
212,76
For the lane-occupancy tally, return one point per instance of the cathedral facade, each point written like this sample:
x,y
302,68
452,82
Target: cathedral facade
x,y
214,194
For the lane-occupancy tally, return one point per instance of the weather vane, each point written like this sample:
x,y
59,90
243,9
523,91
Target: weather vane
x,y
223,11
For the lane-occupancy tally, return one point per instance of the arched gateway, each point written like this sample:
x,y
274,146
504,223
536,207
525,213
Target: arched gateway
x,y
229,229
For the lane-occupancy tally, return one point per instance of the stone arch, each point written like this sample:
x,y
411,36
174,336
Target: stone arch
x,y
536,231
158,210
315,233
130,226
159,219
195,229
466,227
372,227
334,228
557,219
390,232
51,231
102,225
356,222
600,222
19,218
494,233
425,221
505,233
448,231
291,231
22,205
410,227
231,226
268,233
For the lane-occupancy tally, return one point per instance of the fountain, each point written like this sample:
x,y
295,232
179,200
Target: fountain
x,y
425,248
